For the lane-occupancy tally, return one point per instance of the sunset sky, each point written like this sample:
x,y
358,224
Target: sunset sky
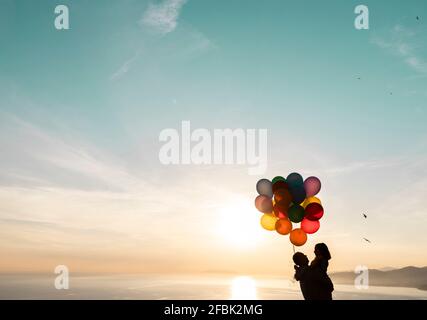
x,y
81,111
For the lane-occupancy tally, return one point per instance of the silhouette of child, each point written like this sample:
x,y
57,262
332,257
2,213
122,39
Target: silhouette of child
x,y
302,273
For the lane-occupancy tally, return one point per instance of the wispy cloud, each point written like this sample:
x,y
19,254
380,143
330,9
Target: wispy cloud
x,y
353,167
125,67
405,43
163,17
48,155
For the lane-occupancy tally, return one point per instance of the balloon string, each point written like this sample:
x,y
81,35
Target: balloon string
x,y
293,248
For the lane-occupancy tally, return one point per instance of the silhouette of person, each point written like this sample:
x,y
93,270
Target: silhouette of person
x,y
314,281
319,268
302,274
322,257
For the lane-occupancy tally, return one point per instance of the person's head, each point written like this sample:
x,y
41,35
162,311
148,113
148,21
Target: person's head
x,y
300,259
321,250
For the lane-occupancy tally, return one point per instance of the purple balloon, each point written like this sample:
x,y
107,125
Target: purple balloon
x,y
312,186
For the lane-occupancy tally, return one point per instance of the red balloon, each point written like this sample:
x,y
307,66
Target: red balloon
x,y
314,211
310,226
264,204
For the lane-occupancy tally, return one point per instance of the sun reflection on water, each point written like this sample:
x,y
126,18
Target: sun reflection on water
x,y
243,288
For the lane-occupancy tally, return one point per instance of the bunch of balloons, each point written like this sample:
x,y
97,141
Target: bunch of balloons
x,y
291,200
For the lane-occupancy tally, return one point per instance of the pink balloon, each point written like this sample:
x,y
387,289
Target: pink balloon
x,y
264,204
310,226
312,186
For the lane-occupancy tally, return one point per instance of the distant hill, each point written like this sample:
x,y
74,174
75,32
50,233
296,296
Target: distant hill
x,y
387,269
410,277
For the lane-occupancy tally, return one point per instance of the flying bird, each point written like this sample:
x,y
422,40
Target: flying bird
x,y
364,215
367,240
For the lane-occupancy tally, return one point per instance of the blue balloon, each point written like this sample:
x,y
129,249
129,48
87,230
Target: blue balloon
x,y
295,180
298,194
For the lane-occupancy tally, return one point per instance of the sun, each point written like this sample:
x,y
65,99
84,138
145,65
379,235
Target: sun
x,y
239,224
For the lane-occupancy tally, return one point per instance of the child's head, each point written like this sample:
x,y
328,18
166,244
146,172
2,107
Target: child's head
x,y
321,250
300,259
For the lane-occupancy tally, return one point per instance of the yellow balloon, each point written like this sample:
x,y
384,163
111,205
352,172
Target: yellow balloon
x,y
268,221
310,200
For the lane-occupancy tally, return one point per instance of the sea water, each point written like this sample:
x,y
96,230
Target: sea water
x,y
187,287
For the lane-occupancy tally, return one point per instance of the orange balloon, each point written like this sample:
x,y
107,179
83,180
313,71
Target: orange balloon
x,y
298,237
283,195
283,226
